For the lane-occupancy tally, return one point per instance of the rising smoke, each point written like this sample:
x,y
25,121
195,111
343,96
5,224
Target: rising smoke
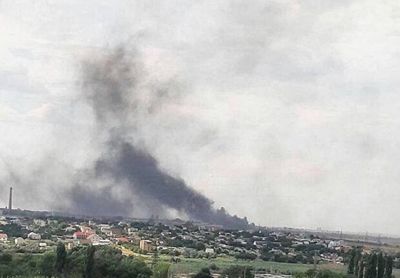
x,y
119,93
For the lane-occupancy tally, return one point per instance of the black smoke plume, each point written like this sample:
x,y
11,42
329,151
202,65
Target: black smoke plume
x,y
119,93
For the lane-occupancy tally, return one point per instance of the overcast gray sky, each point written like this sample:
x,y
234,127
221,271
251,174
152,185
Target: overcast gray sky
x,y
287,112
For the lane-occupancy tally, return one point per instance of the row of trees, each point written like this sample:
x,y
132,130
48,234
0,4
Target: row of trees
x,y
93,262
375,265
87,262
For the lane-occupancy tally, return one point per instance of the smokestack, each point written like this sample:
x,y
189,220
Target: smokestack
x,y
10,201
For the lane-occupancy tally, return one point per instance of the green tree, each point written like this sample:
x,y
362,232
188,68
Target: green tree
x,y
350,269
203,273
161,270
90,261
381,265
6,271
361,268
357,259
5,258
370,271
238,271
388,267
47,265
13,230
76,261
109,262
155,259
130,268
61,258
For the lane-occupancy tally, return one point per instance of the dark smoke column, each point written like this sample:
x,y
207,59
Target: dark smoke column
x,y
113,86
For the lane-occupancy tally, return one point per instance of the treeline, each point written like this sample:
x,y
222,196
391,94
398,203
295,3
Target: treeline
x,y
375,265
86,262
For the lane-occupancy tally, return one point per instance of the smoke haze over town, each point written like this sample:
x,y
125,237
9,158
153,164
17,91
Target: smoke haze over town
x,y
285,112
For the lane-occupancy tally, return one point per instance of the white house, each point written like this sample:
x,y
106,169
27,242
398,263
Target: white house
x,y
19,241
103,242
132,231
209,250
42,244
107,231
70,229
333,244
34,236
94,239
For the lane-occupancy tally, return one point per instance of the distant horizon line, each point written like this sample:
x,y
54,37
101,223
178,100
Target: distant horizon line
x,y
286,228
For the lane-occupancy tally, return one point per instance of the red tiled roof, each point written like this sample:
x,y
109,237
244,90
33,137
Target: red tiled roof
x,y
82,235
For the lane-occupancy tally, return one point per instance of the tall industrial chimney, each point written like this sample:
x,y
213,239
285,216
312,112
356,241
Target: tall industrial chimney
x,y
10,201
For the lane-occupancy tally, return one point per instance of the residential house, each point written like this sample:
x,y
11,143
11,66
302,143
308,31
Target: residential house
x,y
42,245
146,245
103,242
34,236
81,235
209,251
19,241
94,239
3,237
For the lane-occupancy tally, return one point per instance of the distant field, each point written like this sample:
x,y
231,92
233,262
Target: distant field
x,y
390,249
194,265
190,265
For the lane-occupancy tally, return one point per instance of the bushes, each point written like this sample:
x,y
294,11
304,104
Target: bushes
x,y
104,262
238,271
203,273
246,256
375,265
18,265
214,267
46,266
14,230
161,270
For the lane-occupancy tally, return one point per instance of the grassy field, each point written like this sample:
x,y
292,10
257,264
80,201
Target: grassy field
x,y
191,265
187,265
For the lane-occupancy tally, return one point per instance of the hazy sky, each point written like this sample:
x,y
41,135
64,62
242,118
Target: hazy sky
x,y
286,112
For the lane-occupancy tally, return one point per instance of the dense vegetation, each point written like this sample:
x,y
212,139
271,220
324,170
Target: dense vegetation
x,y
237,271
88,262
374,265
